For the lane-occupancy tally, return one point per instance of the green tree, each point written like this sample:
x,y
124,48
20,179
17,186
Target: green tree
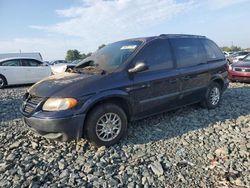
x,y
226,48
73,55
83,55
235,48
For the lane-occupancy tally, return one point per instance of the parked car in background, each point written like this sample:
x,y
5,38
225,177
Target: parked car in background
x,y
227,54
240,71
125,81
22,70
58,62
239,56
62,67
34,55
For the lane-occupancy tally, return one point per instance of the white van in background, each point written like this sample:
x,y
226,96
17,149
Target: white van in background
x,y
34,55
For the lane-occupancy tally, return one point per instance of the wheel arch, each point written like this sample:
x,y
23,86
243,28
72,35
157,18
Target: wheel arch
x,y
120,99
218,79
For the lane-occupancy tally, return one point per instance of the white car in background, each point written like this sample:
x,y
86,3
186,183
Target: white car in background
x,y
63,67
227,54
21,70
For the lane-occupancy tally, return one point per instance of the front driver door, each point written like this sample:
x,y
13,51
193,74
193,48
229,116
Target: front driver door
x,y
157,88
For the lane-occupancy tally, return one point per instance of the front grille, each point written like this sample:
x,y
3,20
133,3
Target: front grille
x,y
31,102
28,108
242,69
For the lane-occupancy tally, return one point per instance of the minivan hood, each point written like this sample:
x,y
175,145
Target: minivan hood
x,y
61,85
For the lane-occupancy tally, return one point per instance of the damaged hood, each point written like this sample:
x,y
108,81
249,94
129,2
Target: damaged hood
x,y
63,85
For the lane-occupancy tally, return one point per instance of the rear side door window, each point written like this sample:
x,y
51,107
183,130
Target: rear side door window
x,y
188,52
156,54
212,50
30,63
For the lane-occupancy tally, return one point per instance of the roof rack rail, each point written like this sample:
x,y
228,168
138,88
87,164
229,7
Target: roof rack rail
x,y
181,35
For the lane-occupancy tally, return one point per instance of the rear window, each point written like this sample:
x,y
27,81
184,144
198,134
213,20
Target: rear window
x,y
10,63
188,52
213,51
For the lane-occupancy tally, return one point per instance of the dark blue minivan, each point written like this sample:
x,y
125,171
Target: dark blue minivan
x,y
126,81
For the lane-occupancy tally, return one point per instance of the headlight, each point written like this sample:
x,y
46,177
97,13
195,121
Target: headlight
x,y
57,104
230,67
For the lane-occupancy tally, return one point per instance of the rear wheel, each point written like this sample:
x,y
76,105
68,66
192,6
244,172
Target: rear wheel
x,y
3,82
213,96
106,125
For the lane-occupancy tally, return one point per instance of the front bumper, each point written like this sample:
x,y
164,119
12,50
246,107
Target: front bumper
x,y
63,129
239,76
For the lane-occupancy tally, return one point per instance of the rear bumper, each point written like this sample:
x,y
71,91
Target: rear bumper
x,y
63,129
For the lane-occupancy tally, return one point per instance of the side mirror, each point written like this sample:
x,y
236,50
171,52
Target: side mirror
x,y
139,67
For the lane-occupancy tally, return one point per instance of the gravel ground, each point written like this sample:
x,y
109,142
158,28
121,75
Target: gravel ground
x,y
189,147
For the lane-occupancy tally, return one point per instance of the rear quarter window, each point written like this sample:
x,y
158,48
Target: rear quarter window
x,y
212,50
10,63
188,52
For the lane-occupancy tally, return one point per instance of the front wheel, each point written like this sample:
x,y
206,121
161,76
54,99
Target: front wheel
x,y
213,96
106,125
3,82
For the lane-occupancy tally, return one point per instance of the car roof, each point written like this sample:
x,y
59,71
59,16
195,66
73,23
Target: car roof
x,y
145,39
18,58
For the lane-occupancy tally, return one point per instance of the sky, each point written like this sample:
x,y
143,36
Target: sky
x,y
53,27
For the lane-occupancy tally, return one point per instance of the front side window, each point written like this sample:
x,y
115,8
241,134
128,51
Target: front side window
x,y
25,63
213,51
10,63
33,63
156,55
247,58
188,52
111,56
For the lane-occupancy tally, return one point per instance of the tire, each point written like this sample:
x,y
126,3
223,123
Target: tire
x,y
99,125
213,96
3,82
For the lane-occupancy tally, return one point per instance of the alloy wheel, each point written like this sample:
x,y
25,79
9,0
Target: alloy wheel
x,y
215,96
108,127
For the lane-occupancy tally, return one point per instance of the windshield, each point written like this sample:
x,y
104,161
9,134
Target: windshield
x,y
111,56
247,58
76,61
243,53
